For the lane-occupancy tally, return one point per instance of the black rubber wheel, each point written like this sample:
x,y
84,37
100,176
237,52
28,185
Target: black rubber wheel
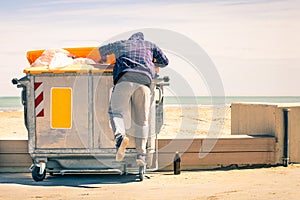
x,y
141,173
36,174
51,173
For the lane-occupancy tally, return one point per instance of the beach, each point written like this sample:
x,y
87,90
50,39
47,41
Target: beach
x,y
179,121
12,126
196,121
271,182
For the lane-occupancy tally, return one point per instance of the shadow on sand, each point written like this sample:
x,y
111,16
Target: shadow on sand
x,y
69,180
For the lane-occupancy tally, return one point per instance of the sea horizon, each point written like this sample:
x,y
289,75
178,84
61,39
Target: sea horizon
x,y
13,103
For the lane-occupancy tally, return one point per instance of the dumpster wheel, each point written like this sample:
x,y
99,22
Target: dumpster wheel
x,y
36,174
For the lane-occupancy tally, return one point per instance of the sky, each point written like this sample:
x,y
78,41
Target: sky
x,y
253,44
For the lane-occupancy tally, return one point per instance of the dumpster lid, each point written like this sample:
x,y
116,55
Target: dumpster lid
x,y
79,52
79,68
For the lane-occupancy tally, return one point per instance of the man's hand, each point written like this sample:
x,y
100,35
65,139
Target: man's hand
x,y
103,59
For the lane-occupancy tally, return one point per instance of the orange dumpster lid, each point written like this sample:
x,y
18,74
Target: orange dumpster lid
x,y
80,52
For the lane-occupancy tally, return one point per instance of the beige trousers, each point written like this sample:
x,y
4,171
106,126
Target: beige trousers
x,y
131,101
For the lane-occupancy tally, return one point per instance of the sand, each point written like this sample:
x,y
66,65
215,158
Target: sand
x,y
251,183
12,126
178,121
186,121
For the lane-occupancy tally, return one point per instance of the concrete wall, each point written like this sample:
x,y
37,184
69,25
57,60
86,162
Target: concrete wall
x,y
254,119
267,119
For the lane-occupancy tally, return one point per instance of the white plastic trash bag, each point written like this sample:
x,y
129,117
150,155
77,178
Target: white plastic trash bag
x,y
60,60
47,56
57,58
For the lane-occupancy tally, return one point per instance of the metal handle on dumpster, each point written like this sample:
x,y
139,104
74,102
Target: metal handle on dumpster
x,y
160,95
160,83
23,83
163,81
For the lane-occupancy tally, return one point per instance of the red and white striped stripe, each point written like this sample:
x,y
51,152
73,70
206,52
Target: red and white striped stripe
x,y
39,99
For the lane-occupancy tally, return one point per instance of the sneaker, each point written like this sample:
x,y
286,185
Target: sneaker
x,y
141,160
121,145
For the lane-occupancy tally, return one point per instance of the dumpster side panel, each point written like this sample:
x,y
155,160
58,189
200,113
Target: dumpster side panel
x,y
74,136
103,135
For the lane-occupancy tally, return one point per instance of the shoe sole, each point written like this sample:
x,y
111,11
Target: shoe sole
x,y
121,151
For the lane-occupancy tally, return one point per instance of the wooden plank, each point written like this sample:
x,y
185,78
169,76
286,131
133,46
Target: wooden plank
x,y
180,145
226,144
192,160
13,146
294,136
10,169
255,144
253,118
242,149
14,156
15,160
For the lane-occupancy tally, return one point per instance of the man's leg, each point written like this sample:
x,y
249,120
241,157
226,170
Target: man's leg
x,y
141,104
119,104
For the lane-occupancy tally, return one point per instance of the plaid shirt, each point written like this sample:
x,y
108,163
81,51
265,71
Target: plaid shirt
x,y
134,55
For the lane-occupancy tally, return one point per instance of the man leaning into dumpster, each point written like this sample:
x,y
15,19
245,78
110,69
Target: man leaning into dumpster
x,y
133,73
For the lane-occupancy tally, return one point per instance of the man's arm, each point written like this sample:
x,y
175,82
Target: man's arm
x,y
105,51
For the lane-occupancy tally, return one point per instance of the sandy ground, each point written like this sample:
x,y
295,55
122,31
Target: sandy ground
x,y
251,183
239,184
180,121
188,121
12,126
